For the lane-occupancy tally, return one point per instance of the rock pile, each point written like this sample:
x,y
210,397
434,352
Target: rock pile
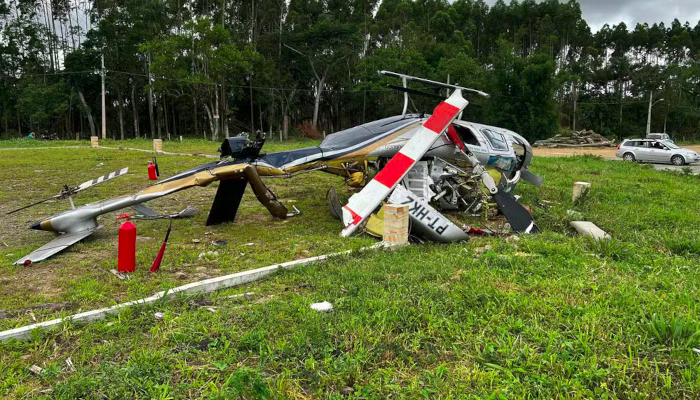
x,y
582,138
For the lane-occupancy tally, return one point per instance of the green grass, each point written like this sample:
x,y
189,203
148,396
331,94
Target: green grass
x,y
187,146
550,316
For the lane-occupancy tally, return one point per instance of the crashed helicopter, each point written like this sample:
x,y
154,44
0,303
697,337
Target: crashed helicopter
x,y
426,161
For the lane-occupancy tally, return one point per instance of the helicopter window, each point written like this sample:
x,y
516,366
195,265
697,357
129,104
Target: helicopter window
x,y
497,141
466,135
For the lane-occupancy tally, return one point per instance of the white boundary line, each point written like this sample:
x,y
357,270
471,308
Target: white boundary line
x,y
205,286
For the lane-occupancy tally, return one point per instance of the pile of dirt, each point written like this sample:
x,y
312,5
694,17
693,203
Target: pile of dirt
x,y
581,138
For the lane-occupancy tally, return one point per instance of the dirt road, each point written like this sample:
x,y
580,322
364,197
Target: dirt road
x,y
572,151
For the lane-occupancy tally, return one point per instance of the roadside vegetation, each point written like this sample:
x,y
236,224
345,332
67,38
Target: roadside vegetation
x,y
552,315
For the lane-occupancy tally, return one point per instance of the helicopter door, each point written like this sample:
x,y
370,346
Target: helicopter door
x,y
472,142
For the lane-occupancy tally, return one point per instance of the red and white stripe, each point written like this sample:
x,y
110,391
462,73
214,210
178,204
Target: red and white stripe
x,y
362,204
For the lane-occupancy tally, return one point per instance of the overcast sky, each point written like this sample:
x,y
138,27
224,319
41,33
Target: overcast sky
x,y
599,12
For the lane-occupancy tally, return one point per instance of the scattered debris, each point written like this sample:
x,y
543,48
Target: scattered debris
x,y
581,138
323,306
590,229
208,302
482,250
36,369
347,390
159,316
119,274
512,239
211,309
70,365
196,241
247,295
208,255
574,214
219,242
100,164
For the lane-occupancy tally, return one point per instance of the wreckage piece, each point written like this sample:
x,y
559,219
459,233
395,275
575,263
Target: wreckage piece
x,y
590,229
230,192
61,243
144,212
84,218
402,139
425,219
518,217
362,204
226,202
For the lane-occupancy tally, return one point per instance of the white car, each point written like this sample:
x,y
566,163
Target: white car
x,y
655,151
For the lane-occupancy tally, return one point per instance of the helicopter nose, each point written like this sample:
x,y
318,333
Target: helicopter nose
x,y
36,225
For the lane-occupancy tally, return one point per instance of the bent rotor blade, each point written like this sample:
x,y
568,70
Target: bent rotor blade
x,y
101,179
61,243
362,204
518,217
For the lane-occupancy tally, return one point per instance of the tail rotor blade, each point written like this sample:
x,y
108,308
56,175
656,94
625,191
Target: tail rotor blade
x,y
69,191
34,204
101,179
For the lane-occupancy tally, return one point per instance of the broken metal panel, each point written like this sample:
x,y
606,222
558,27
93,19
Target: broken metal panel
x,y
143,210
418,181
425,219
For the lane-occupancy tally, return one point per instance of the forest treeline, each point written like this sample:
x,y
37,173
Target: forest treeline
x,y
211,68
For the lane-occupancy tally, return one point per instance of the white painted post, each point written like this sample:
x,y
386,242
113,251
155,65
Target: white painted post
x,y
158,145
580,189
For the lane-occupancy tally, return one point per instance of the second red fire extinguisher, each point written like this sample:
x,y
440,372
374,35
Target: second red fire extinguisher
x,y
153,172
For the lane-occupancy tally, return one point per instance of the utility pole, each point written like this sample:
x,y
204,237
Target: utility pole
x,y
651,95
104,109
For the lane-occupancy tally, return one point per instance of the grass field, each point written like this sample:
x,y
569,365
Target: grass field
x,y
548,316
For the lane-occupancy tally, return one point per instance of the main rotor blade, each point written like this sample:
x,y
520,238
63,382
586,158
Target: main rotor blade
x,y
362,204
101,179
416,92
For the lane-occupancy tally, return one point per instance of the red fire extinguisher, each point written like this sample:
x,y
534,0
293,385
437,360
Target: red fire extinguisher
x,y
152,171
126,259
